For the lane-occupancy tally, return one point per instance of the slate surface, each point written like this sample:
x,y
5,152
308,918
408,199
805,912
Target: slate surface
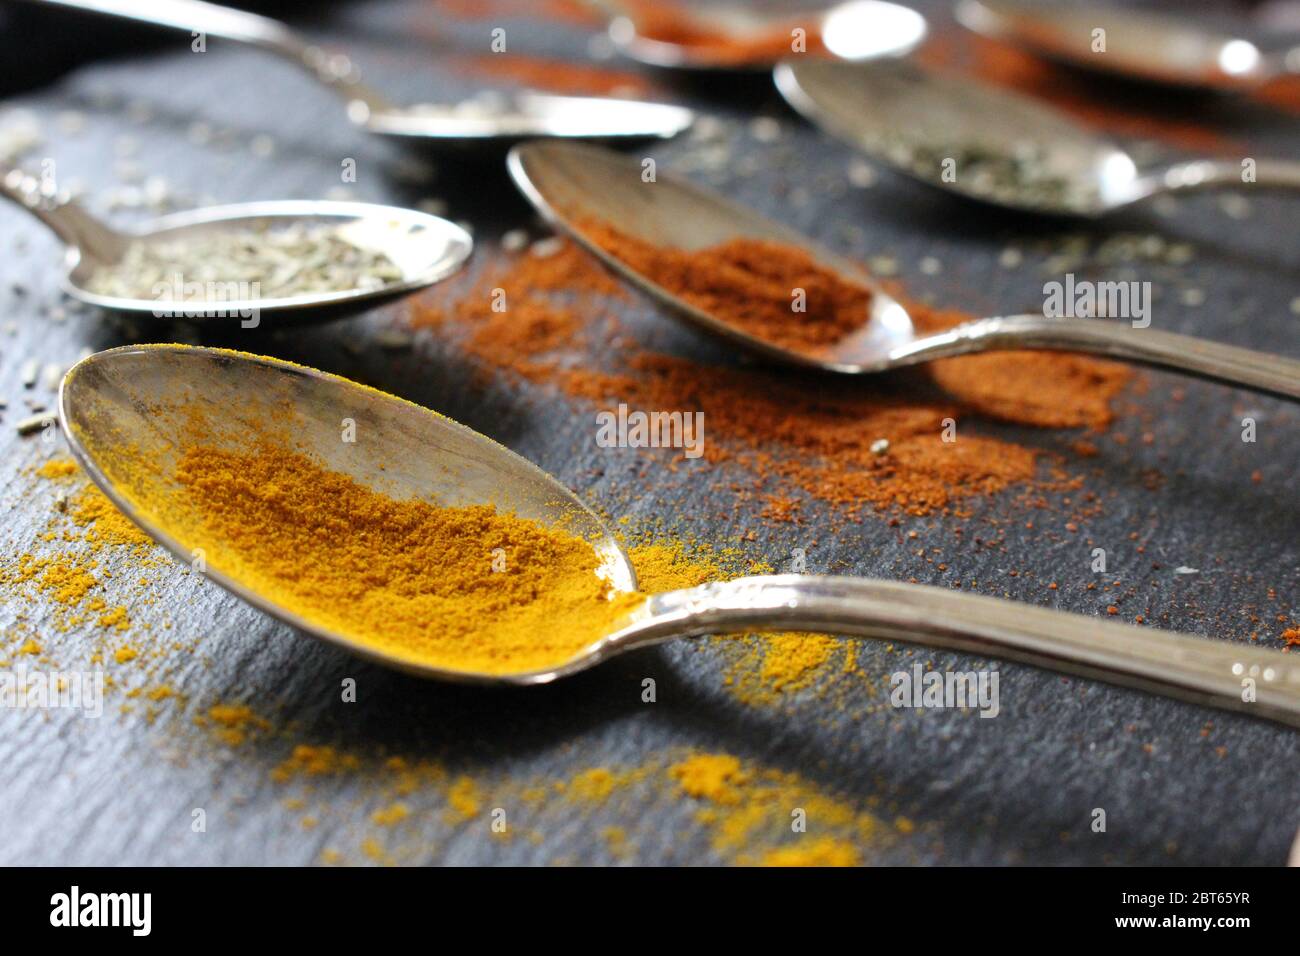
x,y
1016,789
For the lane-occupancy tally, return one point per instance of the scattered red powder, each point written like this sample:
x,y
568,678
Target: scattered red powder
x,y
555,76
813,432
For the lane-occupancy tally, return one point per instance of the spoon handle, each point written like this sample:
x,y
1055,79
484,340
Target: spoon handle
x,y
1197,174
1228,364
77,228
1218,673
196,16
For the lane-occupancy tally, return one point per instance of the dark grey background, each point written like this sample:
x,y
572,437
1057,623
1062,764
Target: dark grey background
x,y
1016,789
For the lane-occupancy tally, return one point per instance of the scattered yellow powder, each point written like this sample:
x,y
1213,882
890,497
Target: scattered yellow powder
x,y
68,579
668,566
463,798
594,784
58,468
714,777
789,659
372,848
232,723
104,524
315,761
820,852
744,805
392,815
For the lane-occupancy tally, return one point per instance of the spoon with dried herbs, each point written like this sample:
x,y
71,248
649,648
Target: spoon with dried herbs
x,y
764,286
306,260
427,547
963,136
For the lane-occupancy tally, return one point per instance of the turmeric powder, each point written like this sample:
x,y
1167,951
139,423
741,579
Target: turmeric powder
x,y
465,588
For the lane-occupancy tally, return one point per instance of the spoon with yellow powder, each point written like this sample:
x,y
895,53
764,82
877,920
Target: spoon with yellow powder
x,y
381,526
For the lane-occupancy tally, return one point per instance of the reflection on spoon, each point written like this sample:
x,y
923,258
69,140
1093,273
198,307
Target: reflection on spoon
x,y
1134,43
721,37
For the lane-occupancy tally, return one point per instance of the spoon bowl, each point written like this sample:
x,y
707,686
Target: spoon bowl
x,y
126,411
859,29
142,398
573,185
1139,44
913,120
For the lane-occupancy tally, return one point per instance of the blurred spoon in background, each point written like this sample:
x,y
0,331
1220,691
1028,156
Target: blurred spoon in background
x,y
1138,44
958,134
739,38
488,123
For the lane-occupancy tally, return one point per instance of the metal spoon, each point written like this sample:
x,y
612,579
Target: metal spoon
x,y
140,397
483,124
573,184
860,29
1138,43
992,145
425,249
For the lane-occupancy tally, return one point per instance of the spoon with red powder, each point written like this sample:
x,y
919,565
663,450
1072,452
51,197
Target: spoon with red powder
x,y
766,287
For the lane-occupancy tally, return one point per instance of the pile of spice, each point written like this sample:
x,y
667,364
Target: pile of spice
x,y
772,291
463,588
747,44
245,264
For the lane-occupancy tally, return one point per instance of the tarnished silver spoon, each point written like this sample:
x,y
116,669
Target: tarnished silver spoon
x,y
481,124
141,397
985,143
859,29
1139,44
573,185
424,248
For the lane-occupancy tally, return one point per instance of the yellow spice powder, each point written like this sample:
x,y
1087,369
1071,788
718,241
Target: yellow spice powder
x,y
408,578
